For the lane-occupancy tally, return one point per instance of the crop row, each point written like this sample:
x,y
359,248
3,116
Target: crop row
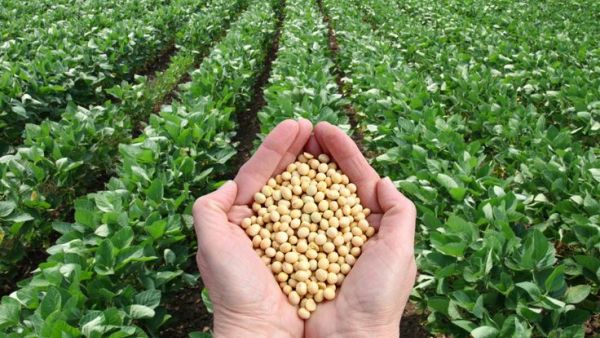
x,y
24,20
301,82
132,242
556,161
508,226
549,62
79,60
63,160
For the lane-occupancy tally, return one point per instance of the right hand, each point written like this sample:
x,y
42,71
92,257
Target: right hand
x,y
372,298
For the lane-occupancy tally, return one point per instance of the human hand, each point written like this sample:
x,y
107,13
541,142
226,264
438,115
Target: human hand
x,y
372,298
247,300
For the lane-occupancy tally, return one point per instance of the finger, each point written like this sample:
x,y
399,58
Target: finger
x,y
305,128
375,220
313,146
351,161
399,218
211,210
238,213
255,173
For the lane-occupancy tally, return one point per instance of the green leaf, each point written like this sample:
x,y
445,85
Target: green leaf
x,y
206,300
122,238
21,218
9,313
485,332
137,311
595,173
514,328
532,289
6,208
155,191
157,229
448,245
105,259
149,298
198,334
50,303
103,203
458,193
576,294
84,217
446,181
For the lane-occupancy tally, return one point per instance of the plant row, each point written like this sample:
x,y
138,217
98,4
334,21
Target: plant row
x,y
77,61
131,243
63,160
508,226
23,18
301,82
548,62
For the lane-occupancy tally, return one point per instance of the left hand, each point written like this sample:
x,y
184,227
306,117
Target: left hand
x,y
247,300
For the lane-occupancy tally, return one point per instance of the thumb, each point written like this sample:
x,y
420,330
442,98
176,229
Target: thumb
x,y
211,210
399,216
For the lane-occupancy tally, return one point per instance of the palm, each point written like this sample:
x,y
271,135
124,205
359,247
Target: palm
x,y
249,287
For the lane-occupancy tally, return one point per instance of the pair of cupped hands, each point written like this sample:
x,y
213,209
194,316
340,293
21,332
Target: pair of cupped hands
x,y
248,301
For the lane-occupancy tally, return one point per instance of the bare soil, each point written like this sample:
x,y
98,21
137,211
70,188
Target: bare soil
x,y
188,313
592,326
412,323
31,261
160,63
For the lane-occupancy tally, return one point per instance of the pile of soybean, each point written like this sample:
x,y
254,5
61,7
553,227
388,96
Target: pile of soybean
x,y
309,227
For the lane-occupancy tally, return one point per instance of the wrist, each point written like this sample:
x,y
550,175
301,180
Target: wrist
x,y
368,331
352,325
228,325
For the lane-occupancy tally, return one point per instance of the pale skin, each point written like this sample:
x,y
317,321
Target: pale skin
x,y
247,299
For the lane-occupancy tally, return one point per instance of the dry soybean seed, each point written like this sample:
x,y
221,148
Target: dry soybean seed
x,y
301,288
328,247
329,293
294,298
260,198
291,257
320,239
310,305
303,313
319,296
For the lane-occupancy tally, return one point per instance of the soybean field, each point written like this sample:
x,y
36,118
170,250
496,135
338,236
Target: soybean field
x,y
116,115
